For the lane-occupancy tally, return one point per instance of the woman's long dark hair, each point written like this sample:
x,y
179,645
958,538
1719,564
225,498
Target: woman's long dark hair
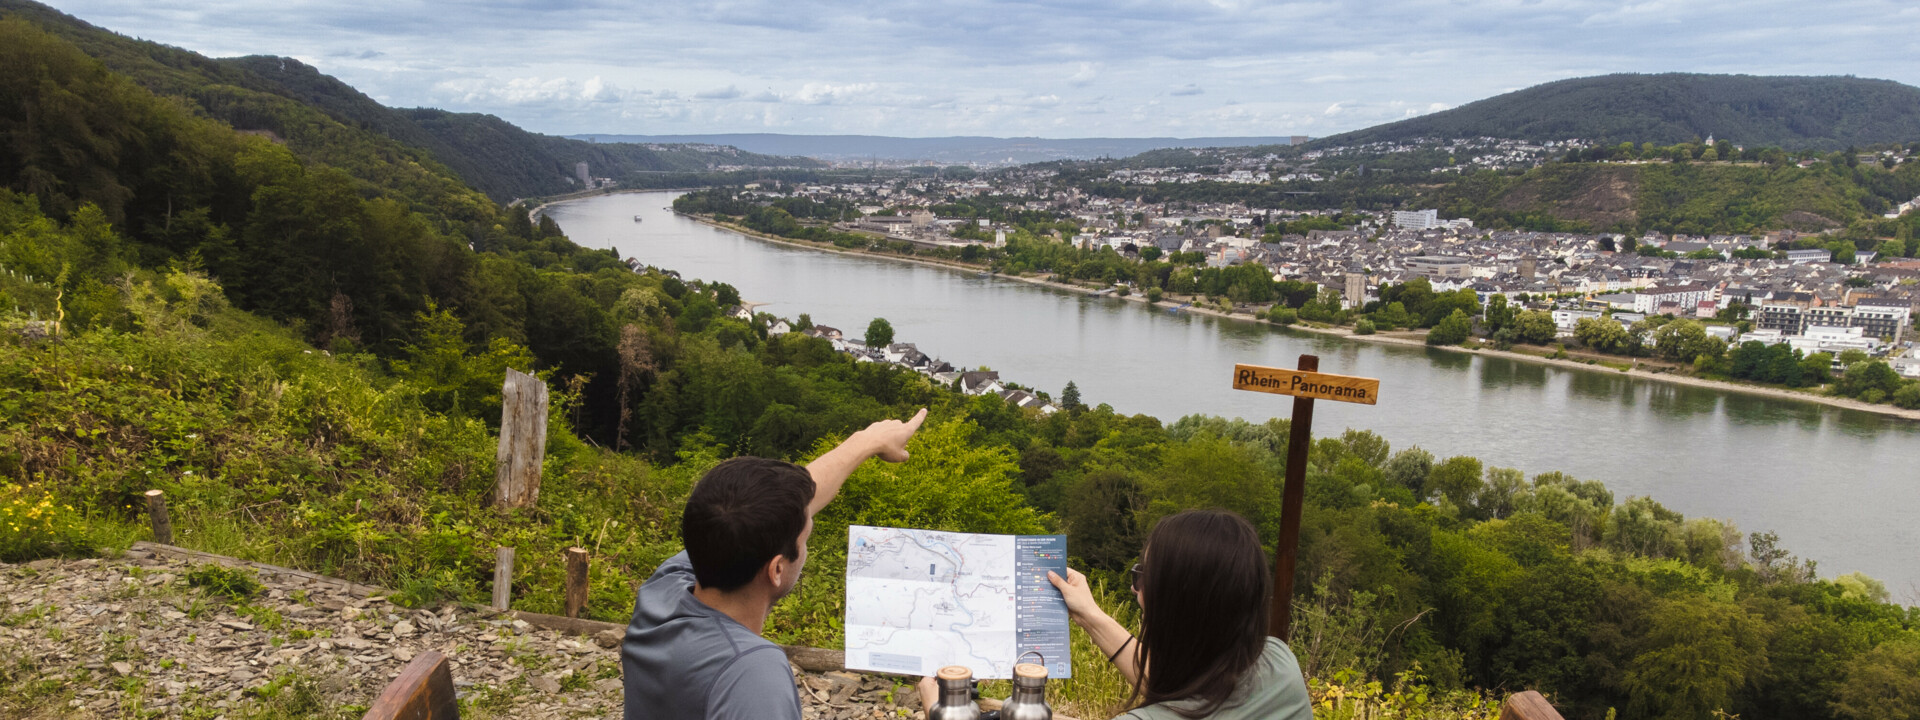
x,y
1203,619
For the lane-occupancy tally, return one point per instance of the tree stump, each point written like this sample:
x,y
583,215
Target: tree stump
x,y
157,512
523,441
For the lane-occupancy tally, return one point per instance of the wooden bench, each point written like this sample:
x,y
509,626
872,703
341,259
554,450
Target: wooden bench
x,y
424,691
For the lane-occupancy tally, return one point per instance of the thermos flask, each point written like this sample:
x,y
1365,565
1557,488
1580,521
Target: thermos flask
x,y
1029,699
956,695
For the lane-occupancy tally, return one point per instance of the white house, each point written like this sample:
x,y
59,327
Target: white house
x,y
1687,297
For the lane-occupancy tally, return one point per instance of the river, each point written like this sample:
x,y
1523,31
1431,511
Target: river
x,y
1839,486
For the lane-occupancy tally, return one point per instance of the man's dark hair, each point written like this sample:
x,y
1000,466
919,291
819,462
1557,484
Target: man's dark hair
x,y
742,513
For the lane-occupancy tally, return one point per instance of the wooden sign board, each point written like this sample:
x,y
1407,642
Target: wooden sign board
x,y
1300,383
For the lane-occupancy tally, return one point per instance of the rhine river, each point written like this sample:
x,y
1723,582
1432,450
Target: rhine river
x,y
1841,487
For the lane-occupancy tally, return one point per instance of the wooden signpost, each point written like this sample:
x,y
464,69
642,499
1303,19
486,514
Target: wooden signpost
x,y
1305,385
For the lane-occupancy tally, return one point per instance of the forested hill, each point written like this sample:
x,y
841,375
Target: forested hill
x,y
300,105
1821,113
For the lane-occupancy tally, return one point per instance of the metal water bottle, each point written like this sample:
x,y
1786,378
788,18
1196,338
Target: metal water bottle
x,y
956,695
1029,699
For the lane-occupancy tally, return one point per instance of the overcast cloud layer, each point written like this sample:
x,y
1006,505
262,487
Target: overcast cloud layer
x,y
1073,68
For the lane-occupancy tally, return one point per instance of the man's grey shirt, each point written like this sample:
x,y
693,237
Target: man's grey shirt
x,y
686,661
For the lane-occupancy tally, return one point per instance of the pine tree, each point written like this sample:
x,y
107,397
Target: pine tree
x,y
1070,396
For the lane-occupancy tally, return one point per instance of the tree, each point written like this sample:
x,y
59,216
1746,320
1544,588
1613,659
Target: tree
x,y
1699,653
1535,327
1871,381
1883,683
1504,491
1908,396
1451,331
1816,368
1499,314
1393,316
879,333
1685,341
1410,468
1457,479
1603,334
1070,396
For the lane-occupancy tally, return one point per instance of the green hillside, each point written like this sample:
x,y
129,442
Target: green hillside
x,y
1700,198
314,113
1821,113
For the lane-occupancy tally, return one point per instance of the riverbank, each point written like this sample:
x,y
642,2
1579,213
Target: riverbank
x,y
1343,333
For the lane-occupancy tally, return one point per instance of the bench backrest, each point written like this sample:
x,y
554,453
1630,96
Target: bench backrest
x,y
1529,705
424,691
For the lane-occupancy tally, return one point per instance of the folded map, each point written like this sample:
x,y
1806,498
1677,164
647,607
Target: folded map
x,y
919,600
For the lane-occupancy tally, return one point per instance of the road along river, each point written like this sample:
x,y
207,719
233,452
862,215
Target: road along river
x,y
1840,486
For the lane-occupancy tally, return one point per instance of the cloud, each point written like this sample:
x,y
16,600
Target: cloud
x,y
1334,109
1187,89
726,93
827,94
1085,75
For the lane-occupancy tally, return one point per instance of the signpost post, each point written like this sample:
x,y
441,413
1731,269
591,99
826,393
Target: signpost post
x,y
1305,385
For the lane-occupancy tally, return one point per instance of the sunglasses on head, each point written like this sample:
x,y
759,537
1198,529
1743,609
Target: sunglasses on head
x,y
1137,576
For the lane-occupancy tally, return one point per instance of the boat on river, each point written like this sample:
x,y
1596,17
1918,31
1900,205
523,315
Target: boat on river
x,y
636,218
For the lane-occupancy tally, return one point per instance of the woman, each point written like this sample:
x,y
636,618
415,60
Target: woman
x,y
1202,584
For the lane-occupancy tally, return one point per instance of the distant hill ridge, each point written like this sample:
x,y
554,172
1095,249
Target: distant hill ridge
x,y
1793,112
954,149
286,96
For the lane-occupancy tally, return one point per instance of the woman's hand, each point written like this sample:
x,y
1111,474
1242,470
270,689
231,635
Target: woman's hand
x,y
929,693
1080,604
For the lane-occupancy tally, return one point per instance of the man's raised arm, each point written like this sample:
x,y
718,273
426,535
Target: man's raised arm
x,y
887,439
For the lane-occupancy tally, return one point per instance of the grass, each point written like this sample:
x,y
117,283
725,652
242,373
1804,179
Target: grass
x,y
235,584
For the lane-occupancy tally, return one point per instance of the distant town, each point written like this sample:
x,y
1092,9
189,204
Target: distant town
x,y
1766,286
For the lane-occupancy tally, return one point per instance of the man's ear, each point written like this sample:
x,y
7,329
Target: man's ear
x,y
776,570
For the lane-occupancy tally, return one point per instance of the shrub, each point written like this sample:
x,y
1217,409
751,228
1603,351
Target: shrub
x,y
1363,326
1282,316
1451,331
235,584
1908,396
1154,295
34,526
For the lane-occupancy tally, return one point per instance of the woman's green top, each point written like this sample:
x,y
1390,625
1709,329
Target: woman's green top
x,y
1273,689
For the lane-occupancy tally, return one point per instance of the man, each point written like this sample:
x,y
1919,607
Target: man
x,y
693,650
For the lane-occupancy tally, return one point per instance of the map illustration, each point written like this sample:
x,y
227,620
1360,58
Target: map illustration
x,y
918,600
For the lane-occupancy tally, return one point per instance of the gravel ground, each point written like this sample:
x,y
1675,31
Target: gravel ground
x,y
128,637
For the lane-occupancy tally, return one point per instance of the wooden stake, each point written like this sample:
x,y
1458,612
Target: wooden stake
x,y
502,578
576,581
157,512
1299,438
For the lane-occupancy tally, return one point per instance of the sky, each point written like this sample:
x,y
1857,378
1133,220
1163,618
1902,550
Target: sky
x,y
1069,68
